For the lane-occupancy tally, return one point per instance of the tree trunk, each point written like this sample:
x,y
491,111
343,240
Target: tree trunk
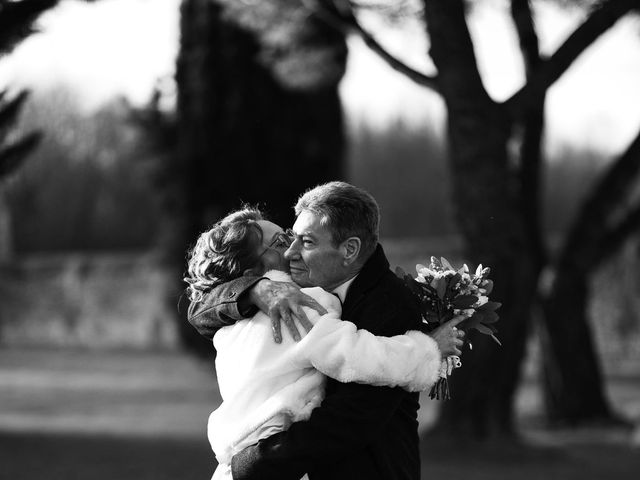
x,y
573,384
572,373
488,209
6,237
259,116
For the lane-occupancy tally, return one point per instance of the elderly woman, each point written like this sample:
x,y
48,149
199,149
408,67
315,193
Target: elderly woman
x,y
265,386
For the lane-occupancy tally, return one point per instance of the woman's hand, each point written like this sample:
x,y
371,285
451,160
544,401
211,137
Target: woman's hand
x,y
283,302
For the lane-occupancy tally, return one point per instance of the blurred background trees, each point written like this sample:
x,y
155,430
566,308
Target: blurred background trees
x,y
258,114
509,232
496,166
112,207
258,118
16,23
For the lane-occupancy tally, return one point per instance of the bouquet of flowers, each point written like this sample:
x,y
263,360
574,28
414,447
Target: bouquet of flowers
x,y
443,293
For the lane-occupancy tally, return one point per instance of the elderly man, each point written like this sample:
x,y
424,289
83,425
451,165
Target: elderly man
x,y
359,431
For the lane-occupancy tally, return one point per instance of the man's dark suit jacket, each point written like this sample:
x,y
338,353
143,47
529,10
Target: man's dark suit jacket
x,y
359,431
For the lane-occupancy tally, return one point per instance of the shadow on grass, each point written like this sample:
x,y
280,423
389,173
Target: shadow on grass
x,y
27,456
522,460
68,457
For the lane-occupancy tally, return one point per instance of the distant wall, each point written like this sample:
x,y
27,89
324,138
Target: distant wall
x,y
120,300
79,300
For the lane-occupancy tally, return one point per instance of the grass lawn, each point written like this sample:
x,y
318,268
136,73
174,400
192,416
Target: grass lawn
x,y
66,456
104,415
566,463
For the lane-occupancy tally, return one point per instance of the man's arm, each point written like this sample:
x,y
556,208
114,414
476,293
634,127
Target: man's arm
x,y
243,297
223,305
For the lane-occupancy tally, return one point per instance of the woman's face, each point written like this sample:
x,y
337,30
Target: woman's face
x,y
274,243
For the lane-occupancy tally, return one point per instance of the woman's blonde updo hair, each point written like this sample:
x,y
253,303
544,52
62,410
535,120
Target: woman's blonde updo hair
x,y
224,252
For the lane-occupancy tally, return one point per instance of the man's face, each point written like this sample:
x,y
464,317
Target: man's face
x,y
313,259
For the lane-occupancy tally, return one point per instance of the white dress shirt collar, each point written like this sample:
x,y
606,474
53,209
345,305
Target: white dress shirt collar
x,y
341,290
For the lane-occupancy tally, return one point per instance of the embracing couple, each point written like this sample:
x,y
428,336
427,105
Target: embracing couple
x,y
334,394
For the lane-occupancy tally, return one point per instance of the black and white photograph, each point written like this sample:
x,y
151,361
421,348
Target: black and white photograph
x,y
319,239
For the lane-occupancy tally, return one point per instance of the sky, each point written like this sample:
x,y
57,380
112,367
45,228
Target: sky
x,y
596,104
122,47
104,49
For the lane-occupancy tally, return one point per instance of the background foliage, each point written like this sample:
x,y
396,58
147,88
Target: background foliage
x,y
92,183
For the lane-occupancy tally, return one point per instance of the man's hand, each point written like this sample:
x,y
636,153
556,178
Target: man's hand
x,y
283,302
448,337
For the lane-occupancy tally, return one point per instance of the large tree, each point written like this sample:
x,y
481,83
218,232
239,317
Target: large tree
x,y
16,23
497,193
259,117
17,20
576,392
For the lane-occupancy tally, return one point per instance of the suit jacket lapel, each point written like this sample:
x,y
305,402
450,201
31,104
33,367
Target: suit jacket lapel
x,y
369,276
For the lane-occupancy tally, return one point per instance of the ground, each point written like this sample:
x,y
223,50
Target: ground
x,y
125,415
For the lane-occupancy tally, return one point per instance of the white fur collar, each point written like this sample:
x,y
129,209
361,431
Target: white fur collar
x,y
278,276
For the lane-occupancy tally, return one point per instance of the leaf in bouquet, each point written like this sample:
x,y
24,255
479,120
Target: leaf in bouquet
x,y
491,327
483,329
490,317
445,264
488,286
414,286
429,294
431,317
464,301
452,281
441,287
446,316
489,306
432,303
472,321
469,323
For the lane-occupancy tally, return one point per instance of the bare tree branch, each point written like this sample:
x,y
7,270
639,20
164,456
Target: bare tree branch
x,y
394,8
17,19
589,231
10,109
532,125
346,21
523,20
601,19
615,238
12,156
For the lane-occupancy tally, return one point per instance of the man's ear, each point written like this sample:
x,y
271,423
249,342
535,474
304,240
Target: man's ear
x,y
351,250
